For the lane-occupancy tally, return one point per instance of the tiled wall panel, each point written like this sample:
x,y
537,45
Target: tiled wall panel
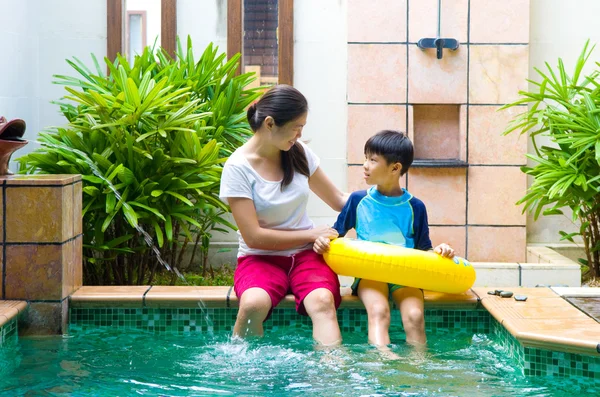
x,y
472,207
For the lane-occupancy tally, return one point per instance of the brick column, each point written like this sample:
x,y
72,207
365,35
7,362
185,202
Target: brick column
x,y
41,243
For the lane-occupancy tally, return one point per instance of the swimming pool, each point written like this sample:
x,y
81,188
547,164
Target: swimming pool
x,y
175,352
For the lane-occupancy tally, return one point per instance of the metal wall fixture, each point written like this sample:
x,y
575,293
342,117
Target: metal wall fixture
x,y
438,42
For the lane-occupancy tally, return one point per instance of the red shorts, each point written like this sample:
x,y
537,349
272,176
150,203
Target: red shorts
x,y
299,274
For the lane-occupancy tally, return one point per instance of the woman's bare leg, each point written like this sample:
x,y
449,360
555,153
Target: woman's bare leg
x,y
255,304
320,306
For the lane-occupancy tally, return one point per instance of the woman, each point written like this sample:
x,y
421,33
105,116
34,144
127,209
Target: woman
x,y
267,182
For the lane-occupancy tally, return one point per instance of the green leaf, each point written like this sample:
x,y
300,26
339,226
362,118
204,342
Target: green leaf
x,y
187,219
158,232
130,215
568,236
111,202
168,227
118,241
126,176
150,209
180,197
107,222
91,191
552,211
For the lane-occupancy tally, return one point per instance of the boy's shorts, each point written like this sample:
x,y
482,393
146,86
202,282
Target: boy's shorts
x,y
299,274
391,287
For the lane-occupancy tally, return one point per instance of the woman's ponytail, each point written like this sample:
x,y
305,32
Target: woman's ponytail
x,y
250,114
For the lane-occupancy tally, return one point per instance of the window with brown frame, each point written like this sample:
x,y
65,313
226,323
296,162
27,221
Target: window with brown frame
x,y
114,27
262,31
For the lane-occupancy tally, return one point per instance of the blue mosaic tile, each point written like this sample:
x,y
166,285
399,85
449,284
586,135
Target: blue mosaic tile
x,y
186,321
8,332
542,362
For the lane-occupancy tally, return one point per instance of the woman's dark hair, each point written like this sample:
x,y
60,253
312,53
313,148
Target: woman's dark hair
x,y
284,104
393,146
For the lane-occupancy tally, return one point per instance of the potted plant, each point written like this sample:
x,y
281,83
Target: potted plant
x,y
149,139
565,110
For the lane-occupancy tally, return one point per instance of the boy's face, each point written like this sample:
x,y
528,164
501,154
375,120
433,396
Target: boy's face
x,y
377,171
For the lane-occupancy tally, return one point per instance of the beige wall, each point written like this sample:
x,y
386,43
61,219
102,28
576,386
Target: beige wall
x,y
449,108
559,28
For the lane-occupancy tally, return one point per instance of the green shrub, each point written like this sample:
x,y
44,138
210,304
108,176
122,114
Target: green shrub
x,y
159,130
566,109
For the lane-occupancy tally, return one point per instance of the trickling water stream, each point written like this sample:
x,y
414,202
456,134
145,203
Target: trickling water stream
x,y
147,238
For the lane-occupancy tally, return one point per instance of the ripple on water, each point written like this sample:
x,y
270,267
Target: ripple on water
x,y
108,363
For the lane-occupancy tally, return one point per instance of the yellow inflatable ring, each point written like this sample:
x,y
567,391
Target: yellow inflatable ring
x,y
397,265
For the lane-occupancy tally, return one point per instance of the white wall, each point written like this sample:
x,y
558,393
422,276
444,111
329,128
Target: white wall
x,y
320,73
559,28
36,36
204,21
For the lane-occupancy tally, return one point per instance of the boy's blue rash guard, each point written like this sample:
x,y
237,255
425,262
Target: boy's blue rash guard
x,y
400,220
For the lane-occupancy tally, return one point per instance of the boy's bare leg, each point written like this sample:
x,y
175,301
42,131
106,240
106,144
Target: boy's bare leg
x,y
255,304
374,295
412,309
320,307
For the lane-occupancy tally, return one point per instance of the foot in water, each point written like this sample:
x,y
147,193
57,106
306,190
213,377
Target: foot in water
x,y
332,355
387,354
416,352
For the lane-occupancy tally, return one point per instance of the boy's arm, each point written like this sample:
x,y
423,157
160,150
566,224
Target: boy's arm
x,y
421,227
347,218
422,240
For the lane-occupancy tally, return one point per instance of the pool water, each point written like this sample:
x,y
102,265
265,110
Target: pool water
x,y
106,362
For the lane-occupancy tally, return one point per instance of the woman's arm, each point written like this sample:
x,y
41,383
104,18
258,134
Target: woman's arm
x,y
258,237
327,191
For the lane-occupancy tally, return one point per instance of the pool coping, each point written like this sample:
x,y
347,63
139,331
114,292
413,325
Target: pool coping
x,y
11,309
545,321
219,297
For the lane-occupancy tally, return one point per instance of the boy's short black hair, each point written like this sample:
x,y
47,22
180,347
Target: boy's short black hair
x,y
393,146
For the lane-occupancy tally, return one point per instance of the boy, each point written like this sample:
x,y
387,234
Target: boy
x,y
387,213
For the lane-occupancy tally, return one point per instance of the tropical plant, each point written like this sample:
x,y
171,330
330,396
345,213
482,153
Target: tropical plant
x,y
149,140
566,110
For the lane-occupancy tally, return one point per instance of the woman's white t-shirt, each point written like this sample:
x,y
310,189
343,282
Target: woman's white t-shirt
x,y
276,209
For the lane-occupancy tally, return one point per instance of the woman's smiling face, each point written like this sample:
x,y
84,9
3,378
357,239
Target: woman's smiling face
x,y
285,136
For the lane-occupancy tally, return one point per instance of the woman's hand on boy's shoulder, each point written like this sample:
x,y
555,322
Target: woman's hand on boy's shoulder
x,y
444,250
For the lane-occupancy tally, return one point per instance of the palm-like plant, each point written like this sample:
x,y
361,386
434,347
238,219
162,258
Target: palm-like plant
x,y
566,109
158,130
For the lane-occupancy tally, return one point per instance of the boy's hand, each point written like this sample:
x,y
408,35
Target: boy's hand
x,y
444,250
321,245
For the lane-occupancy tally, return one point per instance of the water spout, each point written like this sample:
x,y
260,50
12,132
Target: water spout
x,y
11,133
